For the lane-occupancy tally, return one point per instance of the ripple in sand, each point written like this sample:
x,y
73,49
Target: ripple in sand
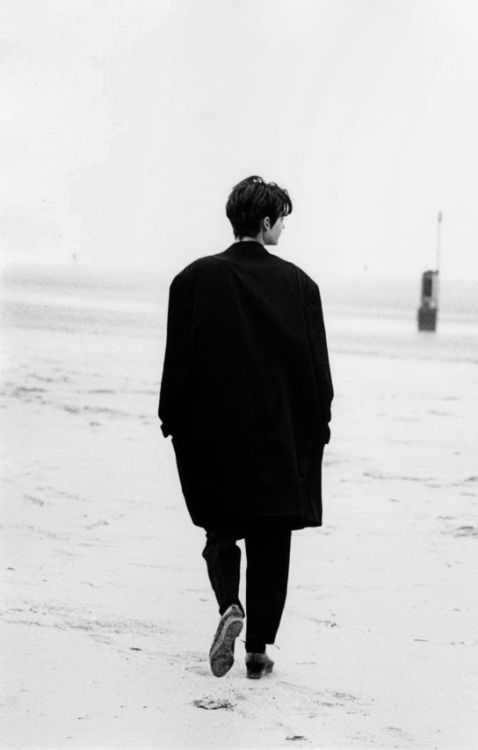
x,y
34,500
400,477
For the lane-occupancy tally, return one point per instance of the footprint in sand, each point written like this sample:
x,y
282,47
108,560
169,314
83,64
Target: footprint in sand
x,y
399,733
471,531
201,671
213,704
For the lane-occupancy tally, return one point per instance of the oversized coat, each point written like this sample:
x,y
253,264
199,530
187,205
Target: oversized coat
x,y
246,388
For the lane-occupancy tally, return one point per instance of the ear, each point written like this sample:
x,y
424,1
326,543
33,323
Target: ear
x,y
267,223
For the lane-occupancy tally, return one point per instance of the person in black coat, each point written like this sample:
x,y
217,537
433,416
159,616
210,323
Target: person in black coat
x,y
245,394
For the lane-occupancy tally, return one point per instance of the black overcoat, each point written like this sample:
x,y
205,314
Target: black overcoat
x,y
246,388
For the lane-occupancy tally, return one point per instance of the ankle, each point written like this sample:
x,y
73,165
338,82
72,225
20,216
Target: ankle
x,y
224,607
253,647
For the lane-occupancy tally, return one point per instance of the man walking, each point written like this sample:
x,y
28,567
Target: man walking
x,y
246,394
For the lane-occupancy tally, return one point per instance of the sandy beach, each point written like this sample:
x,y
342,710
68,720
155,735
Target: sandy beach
x,y
107,613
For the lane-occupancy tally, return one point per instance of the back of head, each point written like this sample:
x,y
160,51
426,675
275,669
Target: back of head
x,y
251,200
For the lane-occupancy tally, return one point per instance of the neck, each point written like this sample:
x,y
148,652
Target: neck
x,y
258,238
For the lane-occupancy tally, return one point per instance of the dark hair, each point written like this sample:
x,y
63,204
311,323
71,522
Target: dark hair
x,y
251,200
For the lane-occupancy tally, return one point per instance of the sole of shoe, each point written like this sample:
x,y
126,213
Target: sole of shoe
x,y
221,655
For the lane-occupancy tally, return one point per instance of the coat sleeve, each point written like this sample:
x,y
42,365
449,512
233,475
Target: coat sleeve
x,y
174,393
320,356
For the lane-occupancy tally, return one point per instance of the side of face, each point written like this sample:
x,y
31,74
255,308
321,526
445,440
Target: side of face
x,y
272,232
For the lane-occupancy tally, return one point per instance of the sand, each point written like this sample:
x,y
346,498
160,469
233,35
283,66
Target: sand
x,y
107,613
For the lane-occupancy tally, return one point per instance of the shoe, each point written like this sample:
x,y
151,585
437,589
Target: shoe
x,y
221,655
258,665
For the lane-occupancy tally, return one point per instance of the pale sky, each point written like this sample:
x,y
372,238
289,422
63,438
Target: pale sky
x,y
125,123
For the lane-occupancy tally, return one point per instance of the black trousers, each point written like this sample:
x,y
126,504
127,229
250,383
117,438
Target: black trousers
x,y
268,554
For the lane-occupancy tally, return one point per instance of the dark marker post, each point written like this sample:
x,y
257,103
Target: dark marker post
x,y
428,310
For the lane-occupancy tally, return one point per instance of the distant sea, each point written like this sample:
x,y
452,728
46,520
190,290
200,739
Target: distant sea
x,y
363,315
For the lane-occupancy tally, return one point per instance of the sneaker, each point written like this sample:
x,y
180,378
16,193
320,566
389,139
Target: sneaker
x,y
221,655
258,665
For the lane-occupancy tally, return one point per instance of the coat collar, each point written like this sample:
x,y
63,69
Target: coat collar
x,y
249,247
